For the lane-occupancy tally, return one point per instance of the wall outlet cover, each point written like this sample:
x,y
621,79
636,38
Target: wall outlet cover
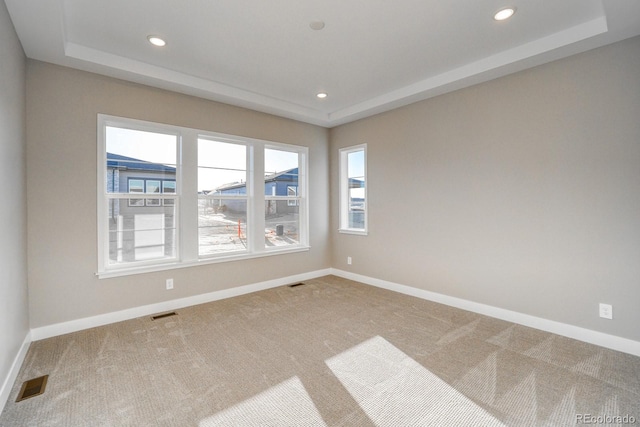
x,y
606,311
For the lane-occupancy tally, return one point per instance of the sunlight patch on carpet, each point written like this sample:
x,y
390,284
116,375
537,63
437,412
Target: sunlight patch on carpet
x,y
394,389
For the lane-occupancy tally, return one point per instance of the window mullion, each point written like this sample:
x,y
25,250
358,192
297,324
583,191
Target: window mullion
x,y
256,220
188,191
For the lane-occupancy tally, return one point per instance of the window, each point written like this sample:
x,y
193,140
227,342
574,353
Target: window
x,y
353,189
222,197
135,186
150,186
282,209
168,187
214,197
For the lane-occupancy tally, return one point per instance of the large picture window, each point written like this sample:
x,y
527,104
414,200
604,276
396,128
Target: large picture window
x,y
353,189
214,197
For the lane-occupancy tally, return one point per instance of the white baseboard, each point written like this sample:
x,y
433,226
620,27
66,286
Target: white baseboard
x,y
5,391
587,335
146,310
594,337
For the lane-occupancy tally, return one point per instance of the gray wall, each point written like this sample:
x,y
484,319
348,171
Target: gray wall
x,y
14,325
521,193
62,108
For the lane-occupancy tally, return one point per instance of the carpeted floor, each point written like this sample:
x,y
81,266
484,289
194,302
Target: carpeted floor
x,y
330,353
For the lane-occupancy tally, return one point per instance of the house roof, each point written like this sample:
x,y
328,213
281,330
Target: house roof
x,y
117,161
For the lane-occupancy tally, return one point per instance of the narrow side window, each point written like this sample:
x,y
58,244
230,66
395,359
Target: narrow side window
x,y
353,189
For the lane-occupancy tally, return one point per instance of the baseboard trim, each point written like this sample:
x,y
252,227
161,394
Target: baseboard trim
x,y
587,335
582,334
146,310
10,379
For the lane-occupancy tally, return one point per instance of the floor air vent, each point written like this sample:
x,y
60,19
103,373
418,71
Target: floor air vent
x,y
162,316
296,284
33,387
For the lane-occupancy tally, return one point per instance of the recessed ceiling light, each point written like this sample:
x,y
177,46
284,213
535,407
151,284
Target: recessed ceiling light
x,y
316,25
505,13
322,95
156,41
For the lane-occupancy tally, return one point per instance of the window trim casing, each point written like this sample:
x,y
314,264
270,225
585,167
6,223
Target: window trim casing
x,y
186,246
343,191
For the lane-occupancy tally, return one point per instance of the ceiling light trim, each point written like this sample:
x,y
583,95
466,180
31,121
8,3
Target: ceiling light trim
x,y
156,41
504,14
316,25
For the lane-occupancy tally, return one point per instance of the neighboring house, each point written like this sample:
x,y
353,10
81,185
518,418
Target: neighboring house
x,y
140,228
130,175
278,184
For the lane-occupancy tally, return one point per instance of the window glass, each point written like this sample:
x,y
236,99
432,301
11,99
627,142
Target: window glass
x,y
356,189
135,186
168,187
353,189
152,186
138,229
282,213
222,197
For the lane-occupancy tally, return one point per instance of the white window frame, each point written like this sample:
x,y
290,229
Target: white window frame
x,y
186,198
344,191
293,202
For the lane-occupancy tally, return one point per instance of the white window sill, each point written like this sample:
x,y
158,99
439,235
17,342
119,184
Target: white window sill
x,y
353,231
204,261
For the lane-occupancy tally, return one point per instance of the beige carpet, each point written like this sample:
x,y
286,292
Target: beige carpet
x,y
330,353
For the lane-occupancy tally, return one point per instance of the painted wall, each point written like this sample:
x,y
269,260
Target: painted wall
x,y
14,326
521,193
62,108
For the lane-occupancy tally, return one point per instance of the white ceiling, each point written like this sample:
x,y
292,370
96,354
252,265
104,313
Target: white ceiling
x,y
371,56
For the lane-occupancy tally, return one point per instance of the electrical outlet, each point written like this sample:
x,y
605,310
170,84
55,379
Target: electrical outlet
x,y
169,284
606,311
349,260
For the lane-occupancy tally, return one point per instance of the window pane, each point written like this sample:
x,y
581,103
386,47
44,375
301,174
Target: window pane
x,y
282,217
137,234
153,186
222,225
356,189
222,167
222,222
280,170
282,223
138,154
168,187
136,186
353,203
